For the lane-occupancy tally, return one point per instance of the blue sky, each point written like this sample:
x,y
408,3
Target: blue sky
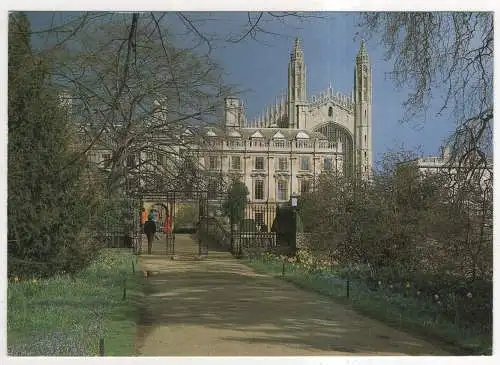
x,y
330,47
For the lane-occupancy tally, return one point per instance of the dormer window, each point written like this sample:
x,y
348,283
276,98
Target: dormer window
x,y
257,134
280,143
258,142
303,140
302,135
257,139
279,140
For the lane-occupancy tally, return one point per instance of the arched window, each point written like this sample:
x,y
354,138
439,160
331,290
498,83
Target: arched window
x,y
334,133
330,112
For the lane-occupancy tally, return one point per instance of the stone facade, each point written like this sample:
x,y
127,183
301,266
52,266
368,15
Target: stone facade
x,y
291,143
443,164
286,148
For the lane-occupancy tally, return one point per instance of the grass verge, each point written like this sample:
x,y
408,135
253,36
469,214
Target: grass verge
x,y
66,316
416,316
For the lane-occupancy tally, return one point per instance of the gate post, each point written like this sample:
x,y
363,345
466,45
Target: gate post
x,y
231,230
294,223
167,243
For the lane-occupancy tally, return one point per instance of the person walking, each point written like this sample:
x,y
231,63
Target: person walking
x,y
150,231
143,217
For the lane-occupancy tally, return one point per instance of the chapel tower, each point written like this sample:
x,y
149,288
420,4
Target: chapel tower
x,y
297,98
233,113
363,114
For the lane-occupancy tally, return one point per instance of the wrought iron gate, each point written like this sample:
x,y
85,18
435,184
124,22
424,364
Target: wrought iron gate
x,y
181,211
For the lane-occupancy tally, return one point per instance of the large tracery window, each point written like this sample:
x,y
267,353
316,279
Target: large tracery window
x,y
334,133
330,112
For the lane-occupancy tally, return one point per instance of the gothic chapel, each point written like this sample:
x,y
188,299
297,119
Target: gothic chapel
x,y
294,140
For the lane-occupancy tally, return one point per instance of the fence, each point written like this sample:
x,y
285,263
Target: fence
x,y
264,227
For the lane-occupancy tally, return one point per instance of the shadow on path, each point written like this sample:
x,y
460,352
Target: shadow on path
x,y
220,307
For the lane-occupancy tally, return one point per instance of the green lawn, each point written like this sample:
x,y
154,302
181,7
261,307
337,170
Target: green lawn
x,y
64,316
418,316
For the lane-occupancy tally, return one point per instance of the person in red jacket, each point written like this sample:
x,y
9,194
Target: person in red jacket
x,y
143,217
167,227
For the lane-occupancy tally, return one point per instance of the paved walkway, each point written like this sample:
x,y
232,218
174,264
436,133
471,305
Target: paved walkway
x,y
219,307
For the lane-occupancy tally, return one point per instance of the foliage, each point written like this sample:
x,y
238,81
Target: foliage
x,y
236,201
217,233
458,313
417,235
49,202
186,217
115,221
405,218
67,315
284,220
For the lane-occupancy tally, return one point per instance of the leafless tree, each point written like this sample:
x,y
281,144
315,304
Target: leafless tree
x,y
448,56
132,80
134,92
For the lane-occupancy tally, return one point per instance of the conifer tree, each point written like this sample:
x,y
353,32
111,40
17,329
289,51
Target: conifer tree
x,y
48,206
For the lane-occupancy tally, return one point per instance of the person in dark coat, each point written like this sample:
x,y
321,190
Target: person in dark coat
x,y
150,231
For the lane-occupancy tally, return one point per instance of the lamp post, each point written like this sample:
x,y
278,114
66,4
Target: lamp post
x,y
293,202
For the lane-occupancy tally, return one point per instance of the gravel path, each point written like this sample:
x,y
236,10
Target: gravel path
x,y
219,307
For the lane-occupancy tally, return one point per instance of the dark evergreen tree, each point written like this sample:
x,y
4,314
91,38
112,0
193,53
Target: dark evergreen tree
x,y
236,203
48,205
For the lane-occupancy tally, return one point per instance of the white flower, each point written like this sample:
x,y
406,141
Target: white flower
x,y
469,295
390,286
439,302
379,283
436,296
418,292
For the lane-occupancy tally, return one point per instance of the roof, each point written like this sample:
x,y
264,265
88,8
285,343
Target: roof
x,y
267,133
